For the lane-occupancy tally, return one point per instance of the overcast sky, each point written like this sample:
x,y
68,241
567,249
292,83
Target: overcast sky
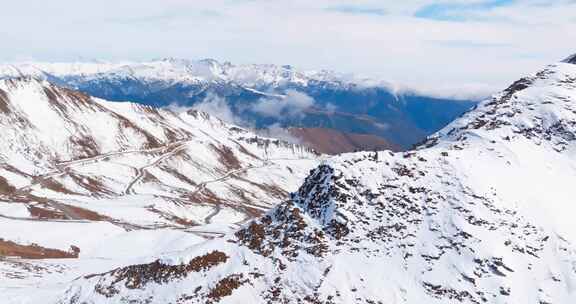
x,y
472,44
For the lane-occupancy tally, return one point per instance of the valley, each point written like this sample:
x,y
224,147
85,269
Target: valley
x,y
118,202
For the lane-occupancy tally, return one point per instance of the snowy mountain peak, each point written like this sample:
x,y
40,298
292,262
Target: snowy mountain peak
x,y
170,70
539,107
480,214
21,70
54,95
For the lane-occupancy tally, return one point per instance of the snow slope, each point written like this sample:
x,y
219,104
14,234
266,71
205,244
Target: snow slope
x,y
121,182
479,213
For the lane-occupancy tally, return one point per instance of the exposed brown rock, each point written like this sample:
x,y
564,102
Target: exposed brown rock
x,y
151,141
242,149
58,95
173,218
86,214
288,233
178,175
5,187
55,186
9,248
226,286
273,190
42,213
253,236
93,185
138,276
226,157
84,146
4,102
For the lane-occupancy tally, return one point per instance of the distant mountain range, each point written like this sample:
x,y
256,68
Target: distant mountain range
x,y
259,96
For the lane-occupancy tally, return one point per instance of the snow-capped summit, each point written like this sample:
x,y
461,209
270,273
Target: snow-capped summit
x,y
168,69
482,212
535,107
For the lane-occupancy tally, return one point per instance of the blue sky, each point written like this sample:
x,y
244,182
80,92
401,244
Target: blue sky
x,y
447,11
459,45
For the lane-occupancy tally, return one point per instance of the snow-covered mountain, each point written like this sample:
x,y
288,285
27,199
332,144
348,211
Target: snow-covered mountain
x,y
173,70
66,156
108,184
479,213
260,95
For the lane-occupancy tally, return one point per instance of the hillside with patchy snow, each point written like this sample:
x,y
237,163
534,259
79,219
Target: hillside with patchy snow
x,y
479,213
82,178
62,144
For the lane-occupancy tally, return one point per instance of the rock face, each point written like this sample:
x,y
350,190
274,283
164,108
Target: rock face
x,y
461,219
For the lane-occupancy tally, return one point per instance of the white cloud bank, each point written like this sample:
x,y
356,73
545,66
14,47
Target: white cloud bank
x,y
490,45
293,104
218,107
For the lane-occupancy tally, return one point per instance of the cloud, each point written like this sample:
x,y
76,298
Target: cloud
x,y
466,92
292,104
394,47
331,108
357,10
177,108
469,44
166,17
215,106
276,131
219,107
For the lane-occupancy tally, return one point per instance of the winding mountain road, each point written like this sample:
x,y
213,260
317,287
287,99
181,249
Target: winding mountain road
x,y
166,152
141,170
63,167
